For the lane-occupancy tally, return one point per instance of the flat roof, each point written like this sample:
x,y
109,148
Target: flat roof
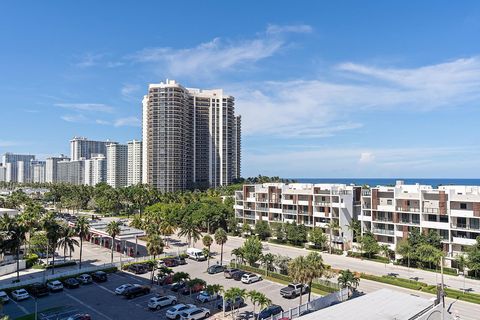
x,y
379,305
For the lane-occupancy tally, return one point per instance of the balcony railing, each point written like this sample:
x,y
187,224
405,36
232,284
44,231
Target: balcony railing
x,y
409,209
383,219
384,231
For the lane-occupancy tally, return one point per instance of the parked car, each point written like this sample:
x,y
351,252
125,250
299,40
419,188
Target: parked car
x,y
39,289
269,311
170,262
71,283
216,268
20,294
250,278
196,288
237,303
204,296
136,291
175,311
55,285
228,273
80,316
161,301
163,279
99,276
238,275
177,286
4,297
120,290
180,261
293,290
84,278
137,269
196,254
195,314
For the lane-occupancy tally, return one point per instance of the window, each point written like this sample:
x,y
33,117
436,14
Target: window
x,y
463,206
389,202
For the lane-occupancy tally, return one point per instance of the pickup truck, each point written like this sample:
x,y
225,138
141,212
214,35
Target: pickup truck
x,y
293,290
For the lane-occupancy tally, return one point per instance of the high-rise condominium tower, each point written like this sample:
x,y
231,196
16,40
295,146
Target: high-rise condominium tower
x,y
134,162
17,167
51,167
117,155
188,137
82,148
95,169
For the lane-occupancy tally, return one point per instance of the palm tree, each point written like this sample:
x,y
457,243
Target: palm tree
x,y
461,261
67,241
263,302
267,261
385,249
221,238
190,230
406,250
154,245
13,236
167,228
254,296
113,230
52,229
348,279
332,226
29,219
180,276
233,294
316,268
298,270
82,228
238,253
214,290
207,242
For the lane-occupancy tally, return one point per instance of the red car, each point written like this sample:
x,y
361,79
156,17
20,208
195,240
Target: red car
x,y
80,316
196,288
170,262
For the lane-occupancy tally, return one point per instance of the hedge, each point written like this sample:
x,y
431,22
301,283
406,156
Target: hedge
x,y
150,262
375,258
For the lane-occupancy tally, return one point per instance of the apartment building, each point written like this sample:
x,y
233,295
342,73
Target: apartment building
x,y
134,174
82,148
38,171
314,205
117,161
237,147
17,167
95,170
71,171
390,213
188,137
51,167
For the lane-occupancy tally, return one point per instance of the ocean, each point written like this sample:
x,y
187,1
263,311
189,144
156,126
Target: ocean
x,y
391,181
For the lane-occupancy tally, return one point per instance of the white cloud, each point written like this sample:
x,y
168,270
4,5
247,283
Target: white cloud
x,y
74,118
217,54
7,144
88,60
128,89
366,158
87,107
127,122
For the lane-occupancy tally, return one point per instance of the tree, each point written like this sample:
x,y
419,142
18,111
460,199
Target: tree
x,y
246,229
267,261
473,257
347,279
207,242
82,228
296,234
429,255
30,219
233,294
281,263
180,276
67,240
190,230
385,249
332,226
356,229
278,231
238,253
252,250
113,230
262,230
13,236
155,245
406,250
318,238
370,245
258,298
263,302
221,238
52,229
316,268
461,261
298,270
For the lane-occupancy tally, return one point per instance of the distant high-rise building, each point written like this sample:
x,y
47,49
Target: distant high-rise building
x,y
51,167
188,138
17,167
3,173
117,161
134,170
95,169
71,172
237,147
37,169
82,148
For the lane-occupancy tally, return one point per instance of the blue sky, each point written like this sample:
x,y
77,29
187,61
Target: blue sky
x,y
325,89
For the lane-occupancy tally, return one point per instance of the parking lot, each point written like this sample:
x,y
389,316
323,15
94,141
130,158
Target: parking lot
x,y
99,299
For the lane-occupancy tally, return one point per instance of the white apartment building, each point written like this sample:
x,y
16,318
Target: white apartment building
x,y
51,167
3,173
117,162
17,167
82,148
314,205
390,213
71,172
134,170
95,170
38,171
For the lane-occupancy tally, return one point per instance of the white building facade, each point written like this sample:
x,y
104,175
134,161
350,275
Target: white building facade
x,y
117,162
17,167
135,162
51,168
82,148
95,170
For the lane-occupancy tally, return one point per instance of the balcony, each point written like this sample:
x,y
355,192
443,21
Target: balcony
x,y
464,241
286,201
364,218
465,226
322,204
366,193
386,207
461,213
264,209
431,210
383,219
288,211
408,209
303,202
275,210
250,199
387,232
435,225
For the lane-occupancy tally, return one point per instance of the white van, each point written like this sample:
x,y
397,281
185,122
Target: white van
x,y
196,254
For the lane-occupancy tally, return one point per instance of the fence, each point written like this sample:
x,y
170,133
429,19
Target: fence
x,y
12,267
314,305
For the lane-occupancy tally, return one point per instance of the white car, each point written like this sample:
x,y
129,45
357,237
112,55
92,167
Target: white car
x,y
120,290
4,297
204,296
20,294
195,314
250,278
84,278
161,301
55,285
175,311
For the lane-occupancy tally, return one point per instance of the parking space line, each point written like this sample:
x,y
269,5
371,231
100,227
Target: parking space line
x,y
105,288
19,306
87,306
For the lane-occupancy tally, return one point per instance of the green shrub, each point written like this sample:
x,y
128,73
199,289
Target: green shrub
x,y
31,259
60,265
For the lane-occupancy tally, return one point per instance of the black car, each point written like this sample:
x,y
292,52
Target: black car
x,y
215,269
99,276
178,286
180,261
269,311
71,283
238,275
138,269
237,303
39,289
136,291
228,273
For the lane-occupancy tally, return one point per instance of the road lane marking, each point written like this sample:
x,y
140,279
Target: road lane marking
x,y
19,306
105,288
87,306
